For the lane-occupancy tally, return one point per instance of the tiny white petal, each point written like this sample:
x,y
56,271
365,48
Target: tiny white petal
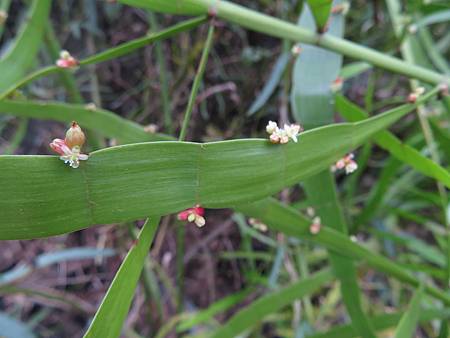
x,y
191,217
271,127
200,221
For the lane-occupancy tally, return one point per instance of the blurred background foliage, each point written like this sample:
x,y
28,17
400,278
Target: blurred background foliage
x,y
52,287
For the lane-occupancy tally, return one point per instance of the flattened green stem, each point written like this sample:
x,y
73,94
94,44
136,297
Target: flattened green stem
x,y
111,53
197,82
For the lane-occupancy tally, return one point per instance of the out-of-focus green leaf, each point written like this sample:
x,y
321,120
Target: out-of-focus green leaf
x,y
289,221
271,84
443,332
314,71
46,259
113,310
22,53
41,196
257,310
438,17
354,69
102,121
321,10
423,249
217,307
382,322
435,56
12,328
391,143
172,6
408,323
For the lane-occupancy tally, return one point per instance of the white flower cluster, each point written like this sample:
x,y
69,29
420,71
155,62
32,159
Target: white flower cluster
x,y
282,135
347,162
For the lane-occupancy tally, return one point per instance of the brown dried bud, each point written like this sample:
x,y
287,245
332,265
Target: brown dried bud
x,y
75,136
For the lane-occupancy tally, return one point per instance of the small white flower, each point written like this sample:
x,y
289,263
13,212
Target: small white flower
x,y
310,211
258,225
199,221
315,226
351,167
419,91
272,127
194,214
412,29
282,136
346,163
296,49
73,157
292,131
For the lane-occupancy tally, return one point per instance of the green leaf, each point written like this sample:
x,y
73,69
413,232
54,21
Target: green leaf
x,y
391,143
321,10
171,6
383,322
407,326
439,17
113,310
354,69
423,249
271,84
22,53
41,196
314,72
12,328
255,312
102,121
214,309
50,258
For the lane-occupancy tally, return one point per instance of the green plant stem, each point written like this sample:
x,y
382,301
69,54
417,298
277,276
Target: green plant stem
x,y
197,82
278,28
66,78
111,53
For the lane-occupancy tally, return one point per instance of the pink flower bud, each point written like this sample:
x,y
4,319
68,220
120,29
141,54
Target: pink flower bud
x,y
66,60
194,214
60,147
